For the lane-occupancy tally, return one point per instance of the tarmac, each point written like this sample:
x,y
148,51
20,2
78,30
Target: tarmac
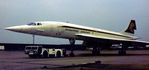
x,y
108,60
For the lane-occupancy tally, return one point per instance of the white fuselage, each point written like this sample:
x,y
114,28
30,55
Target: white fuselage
x,y
66,30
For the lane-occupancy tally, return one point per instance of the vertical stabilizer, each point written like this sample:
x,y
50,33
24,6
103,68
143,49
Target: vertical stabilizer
x,y
130,28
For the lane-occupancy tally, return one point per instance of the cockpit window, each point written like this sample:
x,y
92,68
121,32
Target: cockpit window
x,y
34,24
31,24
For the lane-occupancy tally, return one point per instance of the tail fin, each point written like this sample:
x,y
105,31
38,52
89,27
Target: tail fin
x,y
130,28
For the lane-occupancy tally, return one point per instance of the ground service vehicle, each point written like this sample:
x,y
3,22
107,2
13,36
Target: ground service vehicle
x,y
39,51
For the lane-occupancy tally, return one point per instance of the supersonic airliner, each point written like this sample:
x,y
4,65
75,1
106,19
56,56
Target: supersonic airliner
x,y
92,37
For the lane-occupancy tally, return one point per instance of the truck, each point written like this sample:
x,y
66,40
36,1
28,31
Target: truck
x,y
2,47
40,51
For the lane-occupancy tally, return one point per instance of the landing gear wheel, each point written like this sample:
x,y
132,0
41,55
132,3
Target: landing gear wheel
x,y
96,51
122,52
71,54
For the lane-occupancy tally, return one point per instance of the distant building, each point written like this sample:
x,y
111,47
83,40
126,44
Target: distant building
x,y
18,46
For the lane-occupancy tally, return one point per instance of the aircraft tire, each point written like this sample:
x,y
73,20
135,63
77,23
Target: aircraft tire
x,y
122,52
71,54
96,51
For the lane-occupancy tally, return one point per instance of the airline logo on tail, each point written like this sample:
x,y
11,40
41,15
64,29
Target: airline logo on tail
x,y
131,27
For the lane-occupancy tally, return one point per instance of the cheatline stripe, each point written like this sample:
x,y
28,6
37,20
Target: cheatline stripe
x,y
92,30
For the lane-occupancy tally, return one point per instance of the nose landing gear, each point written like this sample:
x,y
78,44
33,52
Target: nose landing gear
x,y
72,43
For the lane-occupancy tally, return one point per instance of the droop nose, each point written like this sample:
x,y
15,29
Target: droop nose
x,y
14,28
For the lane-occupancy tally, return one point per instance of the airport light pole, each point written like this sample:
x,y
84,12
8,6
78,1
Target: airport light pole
x,y
33,39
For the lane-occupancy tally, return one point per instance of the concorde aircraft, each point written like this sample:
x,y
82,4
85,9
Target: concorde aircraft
x,y
91,37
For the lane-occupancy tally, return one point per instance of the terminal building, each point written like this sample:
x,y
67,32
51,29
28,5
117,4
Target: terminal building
x,y
21,47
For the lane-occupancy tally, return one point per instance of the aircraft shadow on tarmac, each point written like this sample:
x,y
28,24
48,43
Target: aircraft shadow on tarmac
x,y
86,55
90,55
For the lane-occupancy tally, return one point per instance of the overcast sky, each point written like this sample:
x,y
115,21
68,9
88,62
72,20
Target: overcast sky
x,y
112,15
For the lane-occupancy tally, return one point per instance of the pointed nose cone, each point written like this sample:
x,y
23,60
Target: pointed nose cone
x,y
14,28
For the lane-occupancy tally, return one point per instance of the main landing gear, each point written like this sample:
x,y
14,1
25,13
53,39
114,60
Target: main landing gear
x,y
72,43
122,51
96,51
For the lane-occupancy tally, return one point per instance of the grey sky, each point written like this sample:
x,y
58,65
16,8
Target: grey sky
x,y
112,15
